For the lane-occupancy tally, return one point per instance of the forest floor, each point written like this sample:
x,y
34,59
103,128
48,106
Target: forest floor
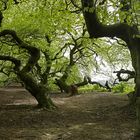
x,y
89,116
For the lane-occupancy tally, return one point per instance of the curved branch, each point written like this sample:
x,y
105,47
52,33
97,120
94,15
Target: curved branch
x,y
1,17
83,83
131,74
17,39
16,2
33,51
33,59
16,62
75,5
96,29
87,80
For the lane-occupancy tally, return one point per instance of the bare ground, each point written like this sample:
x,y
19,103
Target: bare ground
x,y
90,116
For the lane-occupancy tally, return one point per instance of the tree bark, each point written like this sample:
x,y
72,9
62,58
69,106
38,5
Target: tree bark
x,y
38,91
130,75
137,133
62,85
129,34
1,17
135,55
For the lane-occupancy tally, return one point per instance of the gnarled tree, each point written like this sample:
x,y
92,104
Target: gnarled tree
x,y
23,71
124,31
130,75
75,53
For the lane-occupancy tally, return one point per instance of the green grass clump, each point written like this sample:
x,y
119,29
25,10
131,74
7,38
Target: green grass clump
x,y
123,87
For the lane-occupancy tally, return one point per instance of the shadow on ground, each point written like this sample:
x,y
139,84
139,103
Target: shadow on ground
x,y
91,116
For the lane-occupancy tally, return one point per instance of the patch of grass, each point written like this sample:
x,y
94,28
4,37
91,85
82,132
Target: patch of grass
x,y
91,88
123,88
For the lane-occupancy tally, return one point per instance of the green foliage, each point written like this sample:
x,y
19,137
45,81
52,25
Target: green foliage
x,y
87,88
91,88
34,19
74,76
123,87
119,88
6,79
117,59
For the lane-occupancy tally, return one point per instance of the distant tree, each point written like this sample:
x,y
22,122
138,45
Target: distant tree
x,y
75,53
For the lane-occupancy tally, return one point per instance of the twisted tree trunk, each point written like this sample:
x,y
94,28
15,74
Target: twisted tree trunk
x,y
24,73
123,31
38,91
135,55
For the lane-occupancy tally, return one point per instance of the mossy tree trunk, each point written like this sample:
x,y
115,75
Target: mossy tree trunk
x,y
75,47
37,90
63,86
134,48
127,33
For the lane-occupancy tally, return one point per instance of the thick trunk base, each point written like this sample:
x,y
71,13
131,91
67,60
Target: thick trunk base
x,y
137,132
132,98
39,92
73,90
44,101
48,104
